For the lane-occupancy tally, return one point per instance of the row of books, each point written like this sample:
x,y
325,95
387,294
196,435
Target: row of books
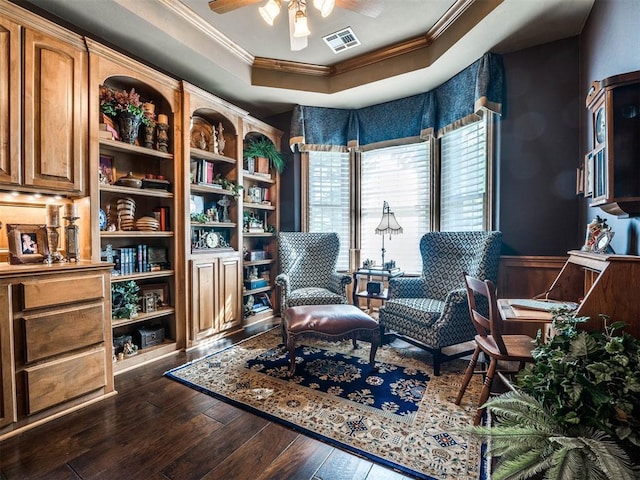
x,y
202,171
140,258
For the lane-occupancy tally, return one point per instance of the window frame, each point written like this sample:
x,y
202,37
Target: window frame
x,y
435,170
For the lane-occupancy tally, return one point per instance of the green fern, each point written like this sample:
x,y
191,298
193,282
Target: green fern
x,y
528,441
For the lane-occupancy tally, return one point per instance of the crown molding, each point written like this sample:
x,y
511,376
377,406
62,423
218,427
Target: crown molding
x,y
185,13
453,25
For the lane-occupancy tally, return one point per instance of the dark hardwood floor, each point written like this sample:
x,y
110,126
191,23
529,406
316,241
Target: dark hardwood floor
x,y
156,428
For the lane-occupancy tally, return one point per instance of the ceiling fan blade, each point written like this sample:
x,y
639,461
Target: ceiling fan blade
x,y
224,6
369,8
297,43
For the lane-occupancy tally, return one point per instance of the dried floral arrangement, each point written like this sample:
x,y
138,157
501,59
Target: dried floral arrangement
x,y
113,102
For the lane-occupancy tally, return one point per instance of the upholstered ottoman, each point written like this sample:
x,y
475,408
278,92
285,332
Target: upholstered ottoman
x,y
334,322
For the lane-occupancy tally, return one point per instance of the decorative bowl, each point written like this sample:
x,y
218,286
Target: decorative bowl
x,y
130,181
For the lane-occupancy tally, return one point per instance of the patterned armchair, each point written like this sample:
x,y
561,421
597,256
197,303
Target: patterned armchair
x,y
308,270
432,311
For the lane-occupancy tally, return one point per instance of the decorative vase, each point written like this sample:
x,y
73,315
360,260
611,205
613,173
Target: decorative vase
x,y
262,165
129,124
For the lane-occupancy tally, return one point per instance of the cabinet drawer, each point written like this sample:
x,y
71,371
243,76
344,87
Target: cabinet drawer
x,y
63,330
61,290
62,380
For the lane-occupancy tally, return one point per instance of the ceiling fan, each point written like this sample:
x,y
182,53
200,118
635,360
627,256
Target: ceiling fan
x,y
298,28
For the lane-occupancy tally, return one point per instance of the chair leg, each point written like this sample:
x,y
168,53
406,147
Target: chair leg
x,y
486,390
468,374
437,360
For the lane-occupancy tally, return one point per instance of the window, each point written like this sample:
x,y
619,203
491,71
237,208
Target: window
x,y
463,178
400,176
406,178
328,198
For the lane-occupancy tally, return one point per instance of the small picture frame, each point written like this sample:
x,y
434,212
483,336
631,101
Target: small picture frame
x,y
27,243
159,291
107,171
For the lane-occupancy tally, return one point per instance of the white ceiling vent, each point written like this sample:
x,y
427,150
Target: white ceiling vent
x,y
342,40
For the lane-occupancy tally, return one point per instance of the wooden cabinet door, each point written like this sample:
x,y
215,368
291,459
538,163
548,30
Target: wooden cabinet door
x,y
55,113
7,385
229,295
10,95
204,301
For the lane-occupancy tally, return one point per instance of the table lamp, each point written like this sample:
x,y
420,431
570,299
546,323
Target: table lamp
x,y
388,224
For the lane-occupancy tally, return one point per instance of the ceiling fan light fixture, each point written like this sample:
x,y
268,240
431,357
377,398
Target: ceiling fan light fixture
x,y
270,11
301,28
325,6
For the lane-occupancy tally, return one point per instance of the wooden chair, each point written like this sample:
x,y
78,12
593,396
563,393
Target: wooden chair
x,y
513,348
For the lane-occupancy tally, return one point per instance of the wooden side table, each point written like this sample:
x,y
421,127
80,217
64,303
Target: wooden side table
x,y
371,274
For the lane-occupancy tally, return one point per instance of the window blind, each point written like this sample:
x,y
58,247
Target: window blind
x,y
400,176
463,178
329,187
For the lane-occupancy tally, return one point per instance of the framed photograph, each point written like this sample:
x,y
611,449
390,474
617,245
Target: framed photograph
x,y
27,243
196,204
159,291
107,171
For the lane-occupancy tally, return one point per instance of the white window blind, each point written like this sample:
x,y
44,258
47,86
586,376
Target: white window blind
x,y
400,176
463,178
329,187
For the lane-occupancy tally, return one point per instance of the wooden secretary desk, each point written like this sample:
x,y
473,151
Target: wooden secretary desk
x,y
600,284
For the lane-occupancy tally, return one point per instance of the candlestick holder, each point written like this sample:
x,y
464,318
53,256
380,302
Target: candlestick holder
x,y
72,249
162,137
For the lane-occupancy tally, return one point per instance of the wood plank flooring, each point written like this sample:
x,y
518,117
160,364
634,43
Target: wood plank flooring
x,y
157,429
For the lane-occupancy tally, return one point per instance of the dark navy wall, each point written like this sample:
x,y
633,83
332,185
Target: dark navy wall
x,y
609,45
538,151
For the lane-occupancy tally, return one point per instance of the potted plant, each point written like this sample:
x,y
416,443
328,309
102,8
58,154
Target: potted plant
x,y
266,150
575,412
124,299
127,109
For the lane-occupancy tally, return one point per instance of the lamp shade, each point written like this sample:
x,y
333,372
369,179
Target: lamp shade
x,y
270,11
325,6
388,224
301,29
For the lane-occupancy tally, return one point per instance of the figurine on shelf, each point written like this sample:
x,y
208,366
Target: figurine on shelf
x,y
221,140
129,348
224,202
212,215
214,142
202,143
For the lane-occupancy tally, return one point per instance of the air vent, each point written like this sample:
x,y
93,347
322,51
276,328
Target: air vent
x,y
342,40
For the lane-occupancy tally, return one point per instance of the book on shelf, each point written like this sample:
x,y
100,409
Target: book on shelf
x,y
163,217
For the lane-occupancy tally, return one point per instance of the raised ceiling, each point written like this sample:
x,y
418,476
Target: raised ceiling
x,y
411,47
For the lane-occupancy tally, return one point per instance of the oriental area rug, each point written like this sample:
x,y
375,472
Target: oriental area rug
x,y
401,416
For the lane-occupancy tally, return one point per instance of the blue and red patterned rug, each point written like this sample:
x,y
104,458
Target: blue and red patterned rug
x,y
400,416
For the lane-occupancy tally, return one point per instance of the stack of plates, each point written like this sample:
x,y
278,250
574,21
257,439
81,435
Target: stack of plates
x,y
126,213
147,224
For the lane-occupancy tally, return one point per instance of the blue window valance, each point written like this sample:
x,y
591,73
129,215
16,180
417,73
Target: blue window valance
x,y
454,103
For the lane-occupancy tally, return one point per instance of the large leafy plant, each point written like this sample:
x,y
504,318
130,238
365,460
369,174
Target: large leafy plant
x,y
264,147
589,379
575,413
